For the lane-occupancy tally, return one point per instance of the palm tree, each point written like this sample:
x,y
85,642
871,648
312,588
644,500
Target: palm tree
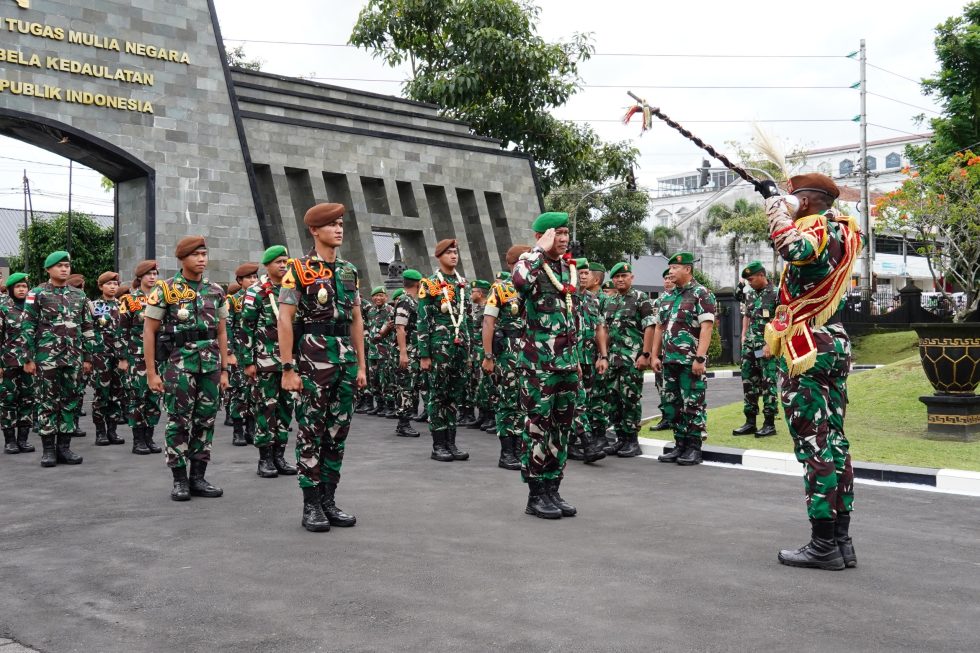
x,y
744,222
658,239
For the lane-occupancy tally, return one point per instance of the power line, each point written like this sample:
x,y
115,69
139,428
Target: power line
x,y
885,70
900,131
732,121
908,104
620,86
41,163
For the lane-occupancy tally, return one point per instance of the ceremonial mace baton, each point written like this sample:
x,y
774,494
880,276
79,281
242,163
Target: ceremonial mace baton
x,y
766,187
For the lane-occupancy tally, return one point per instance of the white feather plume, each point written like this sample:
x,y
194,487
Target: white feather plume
x,y
770,149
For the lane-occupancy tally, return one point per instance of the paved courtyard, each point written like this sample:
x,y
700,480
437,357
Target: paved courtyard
x,y
661,558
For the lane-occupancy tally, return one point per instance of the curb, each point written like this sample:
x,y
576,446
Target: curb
x,y
957,481
737,374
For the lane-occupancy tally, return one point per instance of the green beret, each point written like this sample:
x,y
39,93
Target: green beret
x,y
480,284
582,264
609,285
620,268
54,258
597,267
503,275
547,221
684,258
411,275
15,278
378,290
398,293
273,253
666,272
753,268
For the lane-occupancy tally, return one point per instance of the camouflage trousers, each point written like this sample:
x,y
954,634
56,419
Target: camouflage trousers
x,y
191,400
660,380
323,412
548,398
684,402
58,397
624,391
598,404
142,405
107,405
511,417
409,384
446,388
238,395
759,380
375,385
273,409
815,403
16,398
583,418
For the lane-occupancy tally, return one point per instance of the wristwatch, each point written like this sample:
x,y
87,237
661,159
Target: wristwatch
x,y
488,357
645,354
288,367
603,358
701,359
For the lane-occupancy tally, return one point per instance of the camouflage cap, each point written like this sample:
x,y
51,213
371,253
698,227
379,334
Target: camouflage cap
x,y
754,267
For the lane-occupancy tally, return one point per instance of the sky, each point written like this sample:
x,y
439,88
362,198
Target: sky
x,y
758,44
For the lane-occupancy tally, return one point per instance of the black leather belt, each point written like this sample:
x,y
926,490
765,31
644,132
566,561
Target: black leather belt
x,y
181,338
511,333
333,329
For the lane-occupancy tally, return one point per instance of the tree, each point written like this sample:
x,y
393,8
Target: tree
x,y
609,224
483,63
658,239
939,205
744,222
93,248
236,57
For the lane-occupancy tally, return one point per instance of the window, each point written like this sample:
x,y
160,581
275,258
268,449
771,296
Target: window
x,y
893,160
846,167
871,163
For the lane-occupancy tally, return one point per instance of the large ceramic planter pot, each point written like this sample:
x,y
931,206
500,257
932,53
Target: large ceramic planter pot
x,y
950,355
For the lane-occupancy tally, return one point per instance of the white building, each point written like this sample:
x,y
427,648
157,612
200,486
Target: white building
x,y
679,202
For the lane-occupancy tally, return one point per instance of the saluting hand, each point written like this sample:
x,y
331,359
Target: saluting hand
x,y
547,240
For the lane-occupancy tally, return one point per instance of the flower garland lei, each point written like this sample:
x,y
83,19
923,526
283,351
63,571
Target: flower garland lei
x,y
447,307
569,288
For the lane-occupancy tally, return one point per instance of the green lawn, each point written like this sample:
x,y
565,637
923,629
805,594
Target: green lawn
x,y
884,347
886,423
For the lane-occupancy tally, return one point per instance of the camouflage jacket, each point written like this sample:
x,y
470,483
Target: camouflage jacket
x,y
681,313
10,353
550,343
590,318
323,294
129,334
477,312
760,307
56,327
189,313
377,317
236,302
106,316
407,315
258,327
626,317
437,333
504,304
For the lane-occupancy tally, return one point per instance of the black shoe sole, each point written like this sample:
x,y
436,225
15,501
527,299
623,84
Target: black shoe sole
x,y
180,498
441,459
541,515
319,528
826,566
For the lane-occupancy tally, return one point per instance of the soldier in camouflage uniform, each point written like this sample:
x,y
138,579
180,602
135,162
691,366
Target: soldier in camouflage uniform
x,y
56,343
363,401
388,348
16,386
663,424
625,345
481,388
820,246
588,449
142,404
407,375
443,345
189,314
237,440
758,365
503,339
320,323
239,395
106,379
77,283
684,326
258,333
597,402
549,366
374,321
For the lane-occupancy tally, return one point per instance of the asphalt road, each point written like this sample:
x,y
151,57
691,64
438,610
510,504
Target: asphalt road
x,y
661,558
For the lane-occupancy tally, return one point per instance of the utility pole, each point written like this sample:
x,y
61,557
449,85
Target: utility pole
x,y
68,238
27,235
866,271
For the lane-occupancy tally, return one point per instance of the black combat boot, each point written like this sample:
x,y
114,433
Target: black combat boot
x,y
768,427
10,441
199,486
238,433
392,411
632,447
457,453
567,509
746,429
101,438
539,501
489,423
423,415
228,420
63,450
469,419
111,433
507,459
22,443
335,515
404,429
181,490
374,406
49,452
662,425
613,447
362,405
148,439
266,468
574,449
692,453
250,431
672,457
139,441
439,450
313,518
78,432
591,450
279,460
844,541
821,552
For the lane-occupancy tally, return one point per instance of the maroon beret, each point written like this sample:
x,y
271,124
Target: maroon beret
x,y
188,245
323,214
443,245
76,281
814,181
144,267
514,253
107,276
233,288
246,269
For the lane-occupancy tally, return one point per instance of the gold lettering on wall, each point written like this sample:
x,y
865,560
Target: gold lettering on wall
x,y
23,4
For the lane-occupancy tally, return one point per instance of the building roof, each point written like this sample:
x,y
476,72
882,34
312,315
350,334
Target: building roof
x,y
12,222
855,146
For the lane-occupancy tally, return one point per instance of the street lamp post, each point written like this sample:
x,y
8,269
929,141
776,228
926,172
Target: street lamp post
x,y
581,199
